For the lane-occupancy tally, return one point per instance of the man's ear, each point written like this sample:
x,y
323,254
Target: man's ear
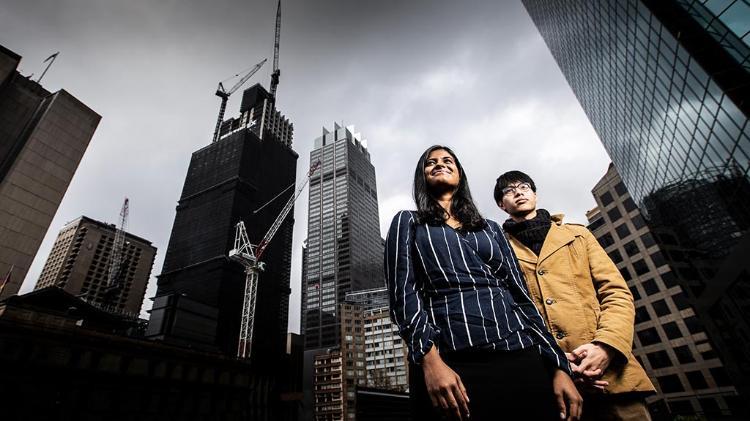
x,y
501,206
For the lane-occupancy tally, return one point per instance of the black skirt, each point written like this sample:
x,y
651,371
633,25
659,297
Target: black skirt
x,y
501,385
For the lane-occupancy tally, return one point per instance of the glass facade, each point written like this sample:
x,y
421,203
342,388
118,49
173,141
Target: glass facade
x,y
666,86
344,249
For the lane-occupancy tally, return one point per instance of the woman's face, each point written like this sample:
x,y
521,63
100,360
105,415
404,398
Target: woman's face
x,y
440,170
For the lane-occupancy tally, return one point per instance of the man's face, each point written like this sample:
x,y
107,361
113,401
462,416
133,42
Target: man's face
x,y
518,199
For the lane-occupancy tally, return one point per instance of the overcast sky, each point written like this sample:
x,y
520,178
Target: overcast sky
x,y
473,75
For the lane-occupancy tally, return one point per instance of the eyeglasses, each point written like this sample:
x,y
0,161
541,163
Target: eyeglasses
x,y
522,187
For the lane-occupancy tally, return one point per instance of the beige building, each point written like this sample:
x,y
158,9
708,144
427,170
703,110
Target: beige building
x,y
43,137
670,341
80,260
385,352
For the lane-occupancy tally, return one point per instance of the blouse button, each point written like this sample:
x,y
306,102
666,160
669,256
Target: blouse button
x,y
550,301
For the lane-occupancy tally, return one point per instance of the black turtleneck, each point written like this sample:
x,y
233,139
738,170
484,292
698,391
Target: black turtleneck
x,y
531,233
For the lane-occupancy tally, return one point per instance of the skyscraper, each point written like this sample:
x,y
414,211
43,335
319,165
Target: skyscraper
x,y
80,260
666,86
670,340
43,137
199,297
344,248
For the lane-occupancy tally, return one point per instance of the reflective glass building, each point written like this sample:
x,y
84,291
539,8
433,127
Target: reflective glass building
x,y
665,84
344,249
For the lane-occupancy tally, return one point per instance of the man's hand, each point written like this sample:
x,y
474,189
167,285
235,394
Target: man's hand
x,y
569,401
445,387
591,360
585,382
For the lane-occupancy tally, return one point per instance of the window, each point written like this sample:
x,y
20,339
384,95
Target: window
x,y
631,248
606,199
626,274
614,215
659,359
640,267
634,291
596,223
670,384
650,287
648,240
620,188
680,301
622,231
658,259
615,256
672,330
629,205
641,315
693,325
696,379
669,279
684,355
660,307
648,336
606,240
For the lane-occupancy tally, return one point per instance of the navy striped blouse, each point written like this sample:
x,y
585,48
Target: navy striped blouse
x,y
460,290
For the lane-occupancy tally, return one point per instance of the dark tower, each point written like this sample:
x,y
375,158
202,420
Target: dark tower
x,y
199,297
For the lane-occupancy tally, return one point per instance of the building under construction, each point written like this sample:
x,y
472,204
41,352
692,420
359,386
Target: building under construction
x,y
241,176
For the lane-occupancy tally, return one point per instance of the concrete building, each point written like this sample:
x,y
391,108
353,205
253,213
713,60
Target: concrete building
x,y
80,260
43,137
671,342
200,291
666,86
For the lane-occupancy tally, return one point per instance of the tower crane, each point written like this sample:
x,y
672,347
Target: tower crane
x,y
249,256
114,276
276,72
224,95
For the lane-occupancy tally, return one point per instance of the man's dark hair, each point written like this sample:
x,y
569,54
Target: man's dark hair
x,y
511,177
429,210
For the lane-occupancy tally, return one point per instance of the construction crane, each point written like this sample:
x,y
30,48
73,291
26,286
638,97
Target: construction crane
x,y
114,276
249,256
276,72
224,95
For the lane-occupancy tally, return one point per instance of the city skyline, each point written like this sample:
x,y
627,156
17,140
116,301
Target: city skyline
x,y
478,78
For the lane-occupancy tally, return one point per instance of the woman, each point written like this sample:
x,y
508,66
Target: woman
x,y
477,345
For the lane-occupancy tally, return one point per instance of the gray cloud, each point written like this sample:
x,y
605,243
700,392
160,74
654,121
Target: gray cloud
x,y
473,75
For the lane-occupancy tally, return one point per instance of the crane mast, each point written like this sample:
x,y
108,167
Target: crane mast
x,y
224,95
249,256
276,72
115,264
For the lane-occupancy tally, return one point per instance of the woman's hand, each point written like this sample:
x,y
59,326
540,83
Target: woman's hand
x,y
569,400
445,387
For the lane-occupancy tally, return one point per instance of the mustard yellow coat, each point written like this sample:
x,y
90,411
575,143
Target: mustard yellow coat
x,y
583,298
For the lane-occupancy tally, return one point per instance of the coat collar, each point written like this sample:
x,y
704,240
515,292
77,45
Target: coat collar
x,y
557,237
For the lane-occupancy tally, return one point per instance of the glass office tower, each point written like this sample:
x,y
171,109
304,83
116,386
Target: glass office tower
x,y
665,85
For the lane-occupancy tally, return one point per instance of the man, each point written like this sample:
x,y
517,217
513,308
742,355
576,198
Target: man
x,y
582,296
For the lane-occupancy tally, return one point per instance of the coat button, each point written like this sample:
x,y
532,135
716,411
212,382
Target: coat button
x,y
542,271
549,301
560,335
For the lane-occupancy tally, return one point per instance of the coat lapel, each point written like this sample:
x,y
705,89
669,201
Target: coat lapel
x,y
557,237
523,253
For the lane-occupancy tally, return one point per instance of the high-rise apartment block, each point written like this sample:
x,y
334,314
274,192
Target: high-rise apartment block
x,y
670,340
43,137
665,84
385,352
344,248
371,355
80,262
200,291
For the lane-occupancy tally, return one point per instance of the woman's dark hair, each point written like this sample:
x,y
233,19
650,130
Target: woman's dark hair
x,y
429,210
511,177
